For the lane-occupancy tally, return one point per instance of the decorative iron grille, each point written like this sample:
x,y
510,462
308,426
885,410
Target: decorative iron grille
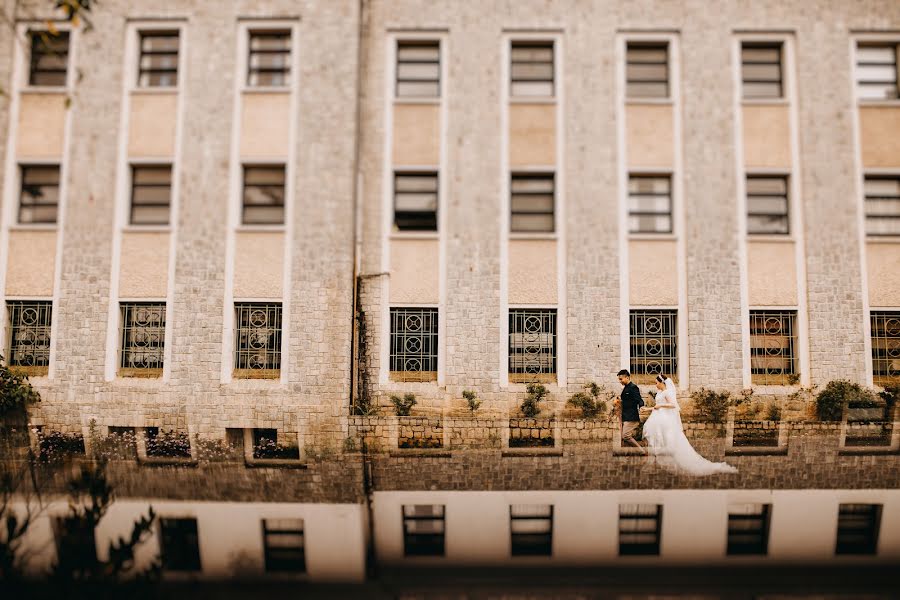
x,y
886,347
532,343
654,342
772,347
143,336
414,341
531,529
423,530
29,333
257,337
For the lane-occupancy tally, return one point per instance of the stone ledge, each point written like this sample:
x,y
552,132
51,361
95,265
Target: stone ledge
x,y
757,451
526,452
421,453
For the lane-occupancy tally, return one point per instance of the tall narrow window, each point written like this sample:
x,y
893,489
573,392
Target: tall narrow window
x,y
531,69
284,545
414,344
423,530
649,204
263,195
876,71
39,194
761,69
772,347
257,345
748,529
882,205
654,344
418,69
532,345
158,64
886,347
647,70
269,63
531,529
179,544
639,529
415,201
767,204
858,526
76,545
49,58
29,334
151,192
143,339
531,203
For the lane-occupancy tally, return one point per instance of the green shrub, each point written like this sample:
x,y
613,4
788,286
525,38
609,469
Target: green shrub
x,y
403,406
536,393
830,401
472,399
890,395
773,411
589,401
710,405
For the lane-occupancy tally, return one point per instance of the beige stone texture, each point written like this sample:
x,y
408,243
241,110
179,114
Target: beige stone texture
x,y
414,271
771,273
879,135
532,272
417,134
42,125
152,124
258,264
883,266
650,135
532,135
144,269
652,273
30,267
265,119
767,136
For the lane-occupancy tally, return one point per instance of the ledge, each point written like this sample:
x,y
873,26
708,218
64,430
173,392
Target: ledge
x,y
421,453
628,451
167,462
868,451
530,452
757,451
275,463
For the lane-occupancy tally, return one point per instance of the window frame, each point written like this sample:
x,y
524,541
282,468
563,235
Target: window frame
x,y
758,547
871,40
273,349
767,42
29,31
542,542
433,343
535,175
645,549
533,41
880,175
185,564
647,43
43,306
422,174
885,315
412,41
22,167
123,369
440,538
161,31
671,315
268,560
521,374
134,166
873,528
788,199
639,174
757,351
245,167
269,29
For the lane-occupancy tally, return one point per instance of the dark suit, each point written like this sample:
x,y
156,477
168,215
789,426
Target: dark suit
x,y
631,418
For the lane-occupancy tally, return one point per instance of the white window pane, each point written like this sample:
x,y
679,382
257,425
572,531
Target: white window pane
x,y
767,204
882,187
648,90
415,183
877,91
648,185
418,71
531,510
536,203
648,203
419,89
876,54
415,202
531,223
418,53
762,90
531,53
532,71
532,185
876,73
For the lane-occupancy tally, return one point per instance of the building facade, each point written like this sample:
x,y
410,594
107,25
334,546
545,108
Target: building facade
x,y
249,221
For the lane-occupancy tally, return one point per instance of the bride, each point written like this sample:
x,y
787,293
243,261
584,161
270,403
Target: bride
x,y
666,440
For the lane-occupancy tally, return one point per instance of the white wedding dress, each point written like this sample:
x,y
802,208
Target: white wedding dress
x,y
668,444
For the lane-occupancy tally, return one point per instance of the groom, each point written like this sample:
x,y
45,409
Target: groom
x,y
630,401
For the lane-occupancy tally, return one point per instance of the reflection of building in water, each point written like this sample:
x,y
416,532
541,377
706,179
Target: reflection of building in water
x,y
229,226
